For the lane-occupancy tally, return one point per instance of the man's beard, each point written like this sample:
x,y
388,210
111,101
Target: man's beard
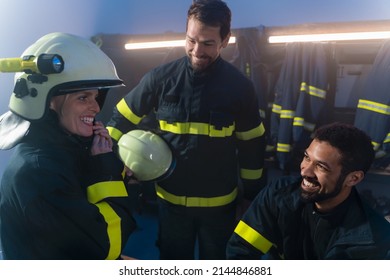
x,y
317,197
199,67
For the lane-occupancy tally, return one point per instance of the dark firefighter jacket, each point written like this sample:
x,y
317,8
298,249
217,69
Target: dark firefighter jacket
x,y
373,108
58,202
209,119
277,224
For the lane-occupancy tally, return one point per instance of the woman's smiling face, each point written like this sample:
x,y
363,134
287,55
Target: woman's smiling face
x,y
77,111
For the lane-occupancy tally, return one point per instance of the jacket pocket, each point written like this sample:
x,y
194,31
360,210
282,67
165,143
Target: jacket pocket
x,y
171,112
221,119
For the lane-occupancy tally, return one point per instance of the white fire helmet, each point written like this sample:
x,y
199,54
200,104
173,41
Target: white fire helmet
x,y
146,154
76,64
85,66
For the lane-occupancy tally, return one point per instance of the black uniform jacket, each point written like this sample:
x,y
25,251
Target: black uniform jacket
x,y
211,121
275,225
58,202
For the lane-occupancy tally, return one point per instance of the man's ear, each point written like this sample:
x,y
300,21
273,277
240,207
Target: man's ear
x,y
225,42
354,178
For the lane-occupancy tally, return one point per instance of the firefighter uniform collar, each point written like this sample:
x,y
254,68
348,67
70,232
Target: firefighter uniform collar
x,y
206,72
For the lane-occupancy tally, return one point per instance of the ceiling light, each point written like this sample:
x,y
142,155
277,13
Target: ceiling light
x,y
330,37
162,44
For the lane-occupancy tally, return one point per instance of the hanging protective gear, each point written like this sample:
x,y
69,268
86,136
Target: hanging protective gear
x,y
85,67
146,154
77,64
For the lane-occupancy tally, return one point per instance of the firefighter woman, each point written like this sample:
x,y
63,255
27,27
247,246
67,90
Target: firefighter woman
x,y
62,195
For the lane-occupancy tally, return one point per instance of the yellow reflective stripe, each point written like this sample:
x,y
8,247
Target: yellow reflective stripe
x,y
301,122
251,134
196,128
287,114
298,121
113,230
251,174
114,132
99,191
185,128
197,201
376,145
225,131
312,90
374,106
284,148
253,237
127,113
276,108
387,139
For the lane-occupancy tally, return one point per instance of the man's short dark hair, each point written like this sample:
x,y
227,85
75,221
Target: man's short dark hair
x,y
212,13
354,145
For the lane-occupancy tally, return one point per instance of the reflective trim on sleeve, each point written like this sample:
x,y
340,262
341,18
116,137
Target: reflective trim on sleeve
x,y
253,237
251,134
196,129
284,148
276,108
376,145
287,114
374,106
387,139
101,190
196,201
114,132
312,90
125,111
113,230
298,121
251,174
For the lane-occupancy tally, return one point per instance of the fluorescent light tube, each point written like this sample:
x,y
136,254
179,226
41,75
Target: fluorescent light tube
x,y
330,37
162,44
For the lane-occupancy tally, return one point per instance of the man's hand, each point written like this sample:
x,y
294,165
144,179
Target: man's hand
x,y
130,179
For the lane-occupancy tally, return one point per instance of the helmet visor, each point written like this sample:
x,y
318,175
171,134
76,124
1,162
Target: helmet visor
x,y
87,85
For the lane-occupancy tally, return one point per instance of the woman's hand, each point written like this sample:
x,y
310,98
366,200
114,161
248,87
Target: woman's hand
x,y
102,142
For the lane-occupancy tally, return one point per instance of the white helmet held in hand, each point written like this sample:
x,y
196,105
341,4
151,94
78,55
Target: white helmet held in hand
x,y
146,154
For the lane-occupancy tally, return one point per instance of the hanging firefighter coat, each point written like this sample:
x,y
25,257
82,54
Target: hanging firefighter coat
x,y
373,108
300,98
